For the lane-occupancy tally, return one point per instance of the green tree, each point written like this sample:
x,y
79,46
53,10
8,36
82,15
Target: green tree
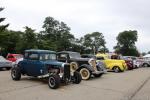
x,y
9,40
28,40
2,33
126,43
56,35
13,39
95,41
77,46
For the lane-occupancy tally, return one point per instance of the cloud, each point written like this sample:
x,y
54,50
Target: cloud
x,y
84,16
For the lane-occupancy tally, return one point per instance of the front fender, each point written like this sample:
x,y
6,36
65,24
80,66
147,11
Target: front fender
x,y
90,68
101,66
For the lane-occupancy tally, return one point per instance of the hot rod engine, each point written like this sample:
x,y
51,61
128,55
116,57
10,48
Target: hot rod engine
x,y
53,70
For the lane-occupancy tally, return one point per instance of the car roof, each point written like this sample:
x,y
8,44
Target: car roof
x,y
130,56
67,52
39,51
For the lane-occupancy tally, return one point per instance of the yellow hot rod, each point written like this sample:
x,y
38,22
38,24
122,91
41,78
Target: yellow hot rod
x,y
112,64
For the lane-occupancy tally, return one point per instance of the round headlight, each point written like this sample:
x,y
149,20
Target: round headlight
x,y
92,62
63,65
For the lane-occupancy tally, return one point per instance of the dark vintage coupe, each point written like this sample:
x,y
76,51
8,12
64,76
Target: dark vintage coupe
x,y
86,66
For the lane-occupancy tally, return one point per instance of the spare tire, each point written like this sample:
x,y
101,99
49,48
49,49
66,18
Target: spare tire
x,y
73,66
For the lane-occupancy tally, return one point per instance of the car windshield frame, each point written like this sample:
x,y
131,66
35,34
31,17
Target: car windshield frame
x,y
74,55
47,56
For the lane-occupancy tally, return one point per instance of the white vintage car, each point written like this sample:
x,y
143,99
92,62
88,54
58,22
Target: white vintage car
x,y
137,61
146,62
5,63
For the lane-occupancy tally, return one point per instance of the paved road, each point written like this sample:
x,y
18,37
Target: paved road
x,y
130,85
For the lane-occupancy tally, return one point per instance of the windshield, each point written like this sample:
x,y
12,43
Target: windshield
x,y
75,55
51,56
106,57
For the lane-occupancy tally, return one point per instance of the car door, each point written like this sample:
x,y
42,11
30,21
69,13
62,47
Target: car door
x,y
34,66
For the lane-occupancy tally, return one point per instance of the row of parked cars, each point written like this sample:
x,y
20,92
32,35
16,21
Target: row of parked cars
x,y
66,66
8,62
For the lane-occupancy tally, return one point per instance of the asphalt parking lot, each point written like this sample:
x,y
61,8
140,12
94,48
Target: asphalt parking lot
x,y
130,85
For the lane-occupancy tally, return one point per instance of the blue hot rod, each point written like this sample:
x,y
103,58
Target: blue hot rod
x,y
43,63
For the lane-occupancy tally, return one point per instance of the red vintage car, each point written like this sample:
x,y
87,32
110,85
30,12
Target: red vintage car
x,y
129,62
13,57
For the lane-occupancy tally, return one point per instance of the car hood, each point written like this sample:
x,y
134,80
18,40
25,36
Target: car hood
x,y
5,61
56,63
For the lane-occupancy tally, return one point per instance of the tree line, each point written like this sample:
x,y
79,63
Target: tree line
x,y
55,35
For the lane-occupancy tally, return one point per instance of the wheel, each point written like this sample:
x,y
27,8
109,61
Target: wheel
x,y
16,73
77,77
98,75
116,69
145,65
54,81
85,73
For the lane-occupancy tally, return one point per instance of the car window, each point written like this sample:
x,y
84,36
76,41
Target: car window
x,y
114,57
26,55
100,58
10,56
33,56
50,56
74,55
62,56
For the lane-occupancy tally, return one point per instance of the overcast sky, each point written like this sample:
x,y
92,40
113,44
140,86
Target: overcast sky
x,y
84,16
